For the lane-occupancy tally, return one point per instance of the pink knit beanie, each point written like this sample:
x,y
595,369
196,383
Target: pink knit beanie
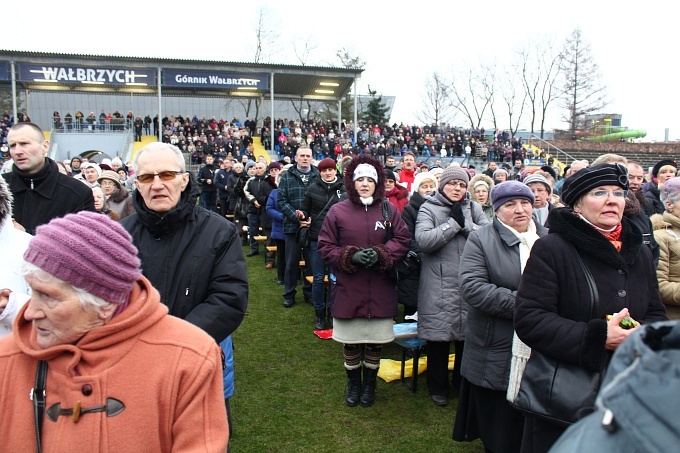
x,y
89,251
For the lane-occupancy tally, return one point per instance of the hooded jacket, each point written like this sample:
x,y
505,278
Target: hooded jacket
x,y
13,244
194,258
398,196
487,207
45,195
441,311
166,373
359,292
635,405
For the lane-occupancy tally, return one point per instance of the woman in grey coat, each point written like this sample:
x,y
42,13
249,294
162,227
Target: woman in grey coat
x,y
490,272
444,222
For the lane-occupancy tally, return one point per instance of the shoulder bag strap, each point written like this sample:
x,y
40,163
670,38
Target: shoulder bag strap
x,y
594,295
387,216
38,397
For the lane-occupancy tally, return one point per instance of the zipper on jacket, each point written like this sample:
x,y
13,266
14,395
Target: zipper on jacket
x,y
193,270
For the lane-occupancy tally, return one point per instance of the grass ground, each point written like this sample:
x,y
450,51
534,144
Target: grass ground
x,y
290,388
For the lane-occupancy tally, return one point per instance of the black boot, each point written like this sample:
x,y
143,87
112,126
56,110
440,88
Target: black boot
x,y
329,320
353,387
368,388
319,320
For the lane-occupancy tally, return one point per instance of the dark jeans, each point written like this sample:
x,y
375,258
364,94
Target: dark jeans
x,y
224,204
209,200
318,268
292,274
254,230
280,259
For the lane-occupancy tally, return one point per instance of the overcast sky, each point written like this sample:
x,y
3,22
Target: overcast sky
x,y
402,43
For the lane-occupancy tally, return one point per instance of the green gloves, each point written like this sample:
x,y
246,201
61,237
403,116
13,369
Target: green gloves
x,y
365,257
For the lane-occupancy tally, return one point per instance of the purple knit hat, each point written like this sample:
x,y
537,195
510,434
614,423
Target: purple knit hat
x,y
89,251
510,190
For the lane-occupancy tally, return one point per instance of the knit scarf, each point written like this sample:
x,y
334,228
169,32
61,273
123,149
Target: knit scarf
x,y
613,235
520,351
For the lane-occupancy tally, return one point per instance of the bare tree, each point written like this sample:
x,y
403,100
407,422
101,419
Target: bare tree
x,y
436,106
350,60
266,36
583,91
514,99
537,62
472,93
303,47
266,46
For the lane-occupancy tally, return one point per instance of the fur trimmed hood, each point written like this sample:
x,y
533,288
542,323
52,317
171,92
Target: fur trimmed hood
x,y
348,174
5,202
480,177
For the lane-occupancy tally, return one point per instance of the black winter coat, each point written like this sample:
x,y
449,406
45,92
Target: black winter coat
x,y
407,287
193,257
45,195
321,194
553,303
207,172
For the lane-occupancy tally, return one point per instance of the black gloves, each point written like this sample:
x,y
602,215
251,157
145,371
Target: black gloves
x,y
365,257
457,214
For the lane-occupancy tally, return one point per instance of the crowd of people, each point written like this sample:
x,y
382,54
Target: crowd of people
x,y
509,267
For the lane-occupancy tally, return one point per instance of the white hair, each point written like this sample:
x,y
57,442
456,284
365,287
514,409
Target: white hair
x,y
157,146
87,301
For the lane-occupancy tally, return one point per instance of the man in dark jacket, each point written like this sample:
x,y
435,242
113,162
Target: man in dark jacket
x,y
221,179
292,189
40,192
191,255
257,191
206,177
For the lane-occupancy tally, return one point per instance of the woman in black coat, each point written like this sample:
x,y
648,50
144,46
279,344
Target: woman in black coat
x,y
553,302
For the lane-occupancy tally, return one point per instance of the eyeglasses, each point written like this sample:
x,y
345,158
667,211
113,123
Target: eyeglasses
x,y
167,175
605,193
455,184
107,184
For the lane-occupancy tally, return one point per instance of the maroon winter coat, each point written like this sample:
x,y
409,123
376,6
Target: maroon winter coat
x,y
349,226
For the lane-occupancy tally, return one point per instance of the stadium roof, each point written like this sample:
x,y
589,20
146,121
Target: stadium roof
x,y
289,81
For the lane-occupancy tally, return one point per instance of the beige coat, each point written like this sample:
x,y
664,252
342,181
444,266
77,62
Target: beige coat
x,y
667,235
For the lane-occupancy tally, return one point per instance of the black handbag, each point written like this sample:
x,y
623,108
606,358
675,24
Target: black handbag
x,y
303,237
556,391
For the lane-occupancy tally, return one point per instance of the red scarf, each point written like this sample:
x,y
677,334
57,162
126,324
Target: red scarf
x,y
614,237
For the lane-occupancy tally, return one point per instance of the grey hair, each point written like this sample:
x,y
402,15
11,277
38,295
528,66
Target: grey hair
x,y
87,301
157,146
610,158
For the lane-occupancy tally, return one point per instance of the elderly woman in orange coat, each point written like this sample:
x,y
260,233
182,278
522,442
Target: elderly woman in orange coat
x,y
120,374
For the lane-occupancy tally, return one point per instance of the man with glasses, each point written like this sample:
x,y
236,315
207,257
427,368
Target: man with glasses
x,y
191,255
